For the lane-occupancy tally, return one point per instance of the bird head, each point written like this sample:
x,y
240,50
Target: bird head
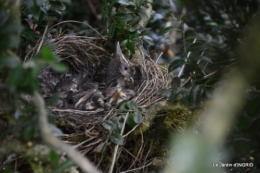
x,y
118,66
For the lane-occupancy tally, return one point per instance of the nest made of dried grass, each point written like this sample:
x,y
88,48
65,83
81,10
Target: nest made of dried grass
x,y
81,129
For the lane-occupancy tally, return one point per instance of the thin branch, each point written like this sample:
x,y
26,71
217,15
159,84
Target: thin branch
x,y
47,137
182,68
43,36
117,146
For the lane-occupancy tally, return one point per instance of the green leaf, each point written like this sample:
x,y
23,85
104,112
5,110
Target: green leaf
x,y
130,120
53,156
186,27
122,17
9,61
57,5
46,54
176,93
67,1
134,118
164,92
104,15
142,13
123,2
148,40
130,47
164,3
123,43
135,20
195,95
137,116
167,29
139,2
176,64
8,41
144,31
111,30
108,124
133,105
64,165
197,47
196,35
202,58
116,138
58,67
176,82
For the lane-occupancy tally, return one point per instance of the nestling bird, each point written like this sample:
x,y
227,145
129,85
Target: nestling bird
x,y
115,95
118,70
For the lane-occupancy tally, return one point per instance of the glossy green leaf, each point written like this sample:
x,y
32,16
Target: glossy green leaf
x,y
137,116
144,31
123,43
133,105
9,41
116,138
64,165
9,61
53,156
176,82
123,2
67,1
57,5
134,118
111,30
122,17
135,20
148,40
108,124
176,93
176,64
142,13
58,67
130,121
186,27
195,95
197,47
165,2
164,92
131,47
196,35
202,58
167,29
140,2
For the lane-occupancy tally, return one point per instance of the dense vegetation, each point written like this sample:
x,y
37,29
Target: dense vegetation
x,y
205,44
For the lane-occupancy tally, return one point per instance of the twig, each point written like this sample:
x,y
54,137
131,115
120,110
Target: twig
x,y
132,129
117,146
158,57
72,153
45,32
73,21
182,68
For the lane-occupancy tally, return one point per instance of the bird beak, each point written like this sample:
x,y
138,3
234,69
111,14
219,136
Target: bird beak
x,y
118,96
119,53
86,97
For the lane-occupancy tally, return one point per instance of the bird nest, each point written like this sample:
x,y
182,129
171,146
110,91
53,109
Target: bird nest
x,y
83,128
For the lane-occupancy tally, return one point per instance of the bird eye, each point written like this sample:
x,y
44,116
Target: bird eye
x,y
71,101
125,67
